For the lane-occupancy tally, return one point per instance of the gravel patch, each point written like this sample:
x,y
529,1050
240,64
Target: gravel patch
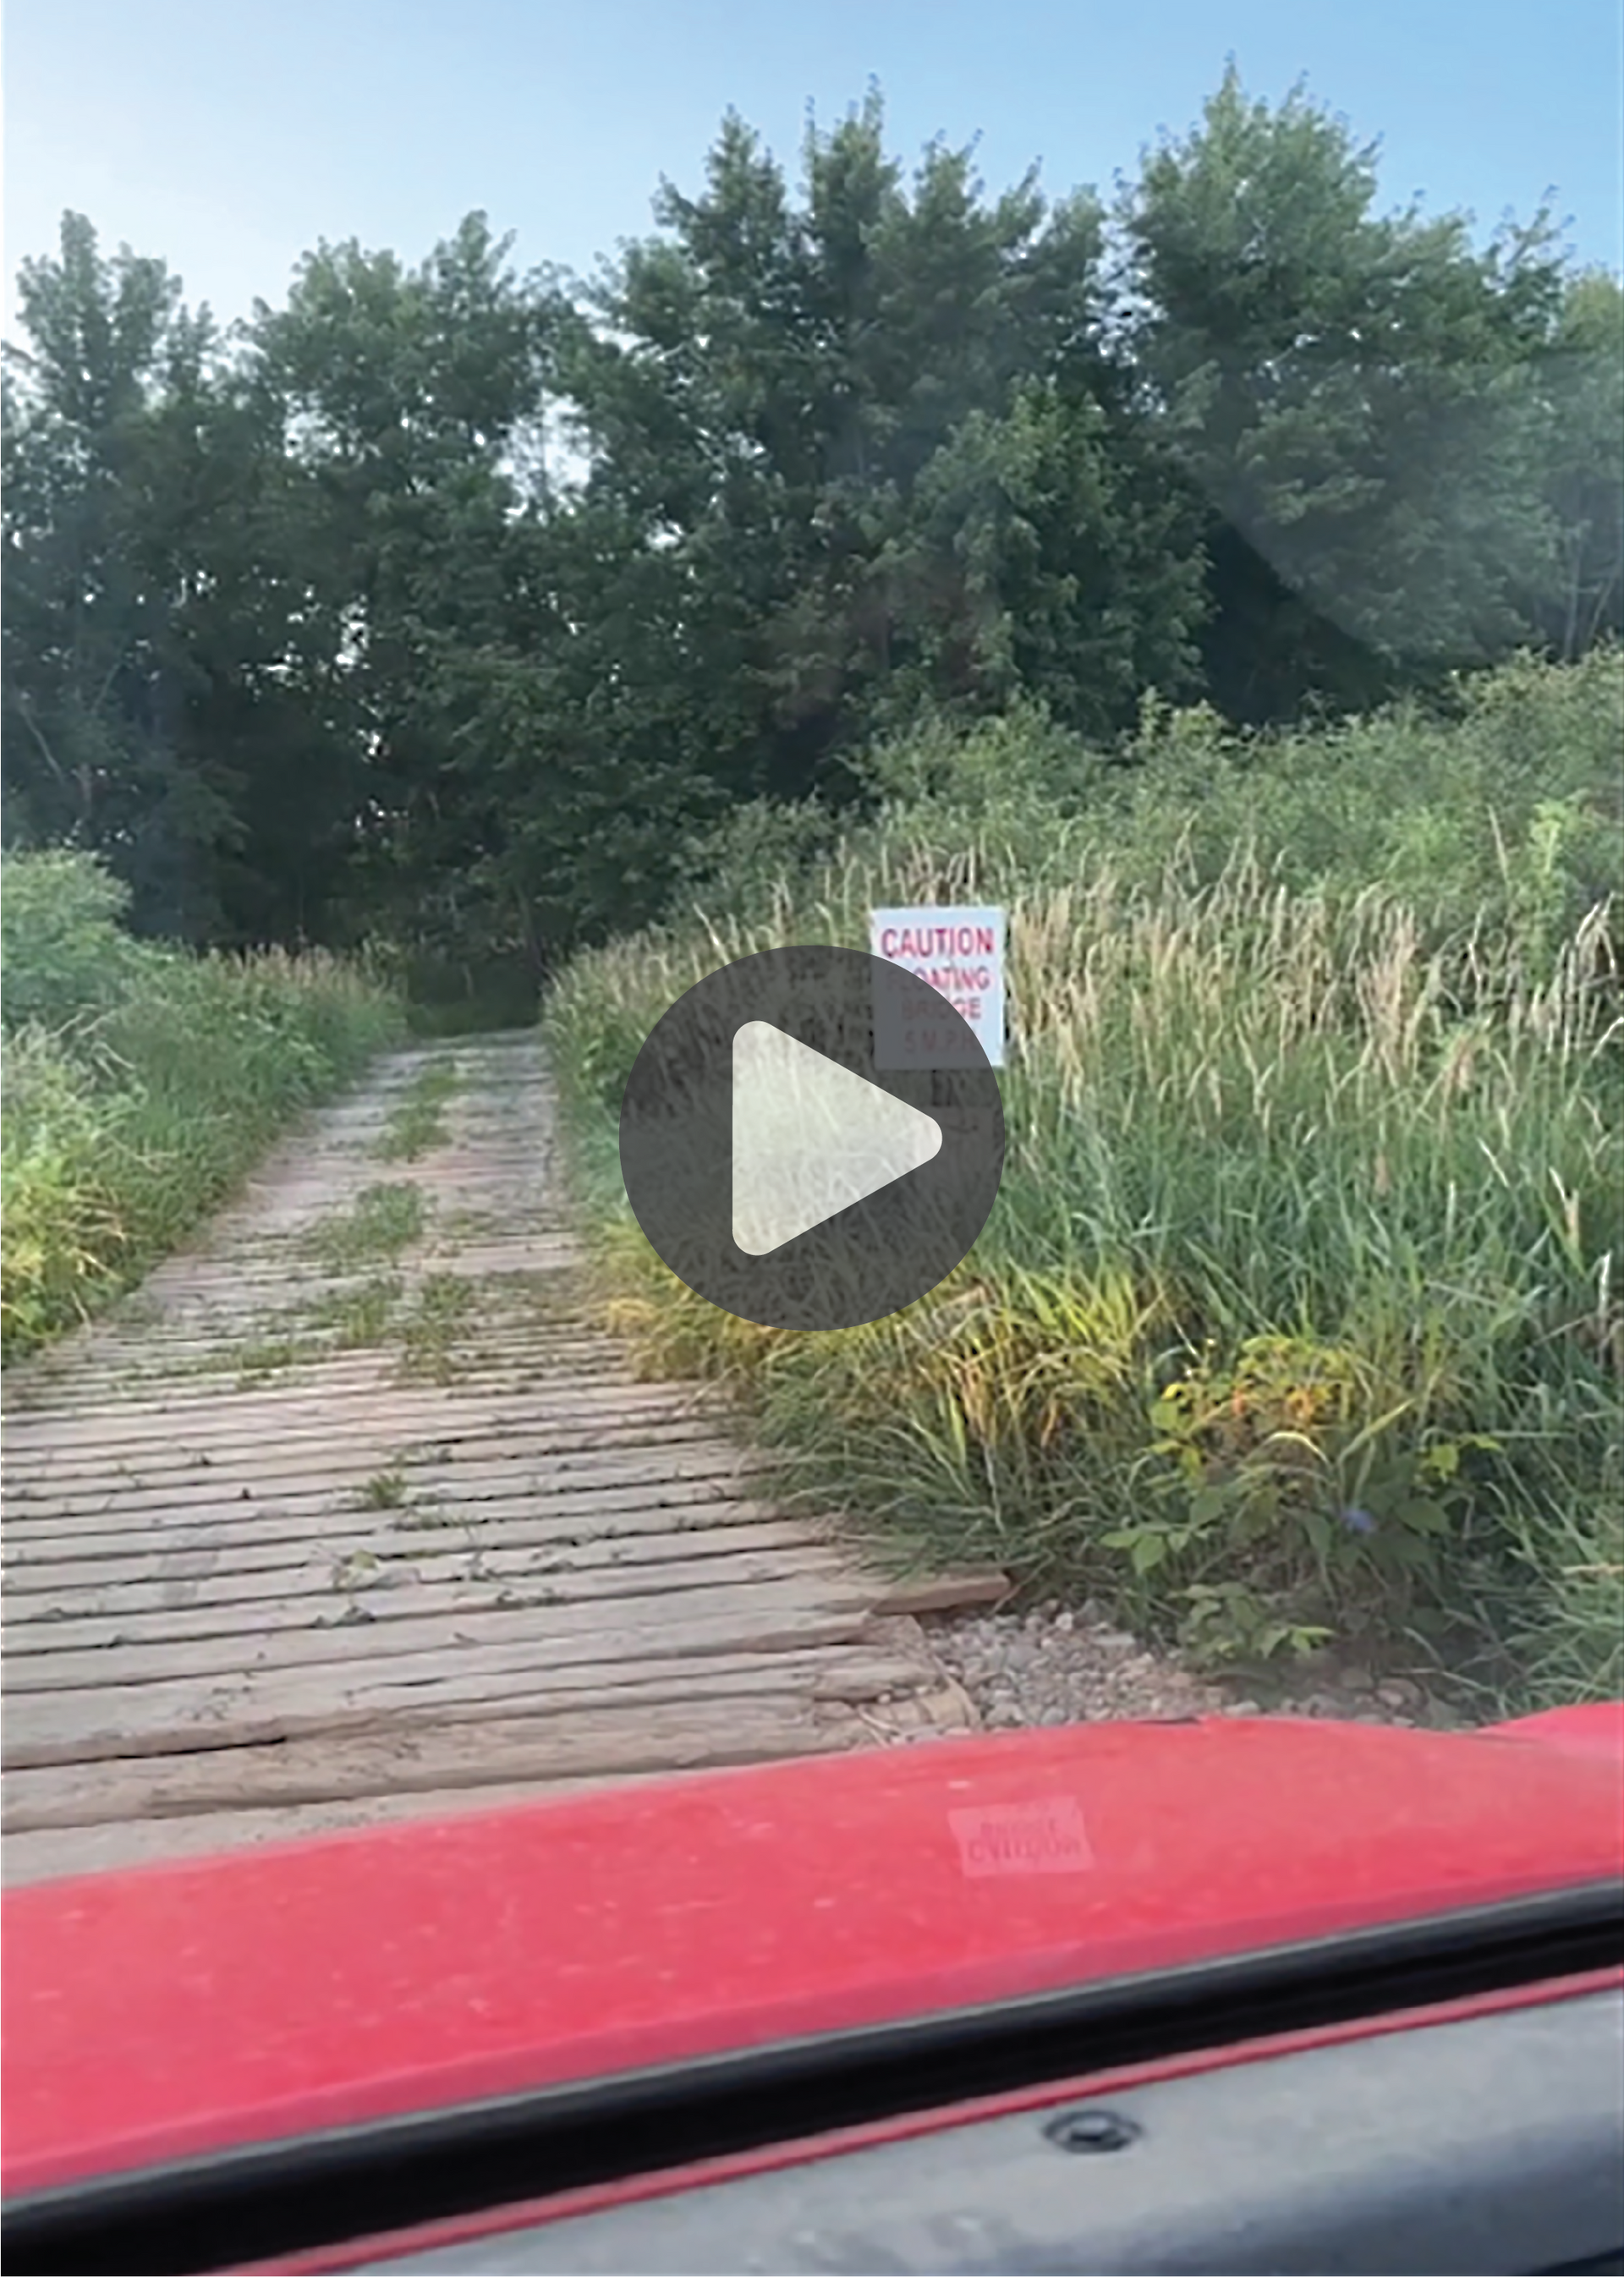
x,y
1061,1665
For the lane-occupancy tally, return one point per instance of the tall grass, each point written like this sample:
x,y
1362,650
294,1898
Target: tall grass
x,y
139,1084
1298,1313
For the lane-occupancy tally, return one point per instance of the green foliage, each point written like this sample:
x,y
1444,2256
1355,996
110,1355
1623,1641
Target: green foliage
x,y
141,1084
417,1122
383,1490
63,953
874,434
307,633
1359,399
1582,378
64,1231
437,1317
384,1220
1299,1311
1495,810
169,648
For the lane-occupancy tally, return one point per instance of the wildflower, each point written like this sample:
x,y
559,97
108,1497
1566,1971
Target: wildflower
x,y
1358,1521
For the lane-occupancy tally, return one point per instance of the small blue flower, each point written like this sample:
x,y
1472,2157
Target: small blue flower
x,y
1358,1521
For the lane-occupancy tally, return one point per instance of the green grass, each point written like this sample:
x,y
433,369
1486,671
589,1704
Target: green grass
x,y
361,1317
370,1314
431,1328
418,1122
383,1221
258,1357
141,1084
1300,1311
373,1314
383,1490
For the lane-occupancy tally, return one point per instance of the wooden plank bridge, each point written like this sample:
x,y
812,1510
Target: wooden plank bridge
x,y
355,1511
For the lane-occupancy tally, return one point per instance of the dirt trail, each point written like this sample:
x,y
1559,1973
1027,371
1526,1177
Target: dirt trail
x,y
353,1513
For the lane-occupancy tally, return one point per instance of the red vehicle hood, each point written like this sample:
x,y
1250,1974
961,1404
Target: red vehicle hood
x,y
181,2009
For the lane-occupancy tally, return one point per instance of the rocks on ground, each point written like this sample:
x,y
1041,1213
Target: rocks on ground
x,y
1057,1664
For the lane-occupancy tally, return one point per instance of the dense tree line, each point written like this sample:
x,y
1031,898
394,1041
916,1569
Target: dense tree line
x,y
449,603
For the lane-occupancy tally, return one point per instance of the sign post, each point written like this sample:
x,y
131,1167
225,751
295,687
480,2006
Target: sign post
x,y
957,952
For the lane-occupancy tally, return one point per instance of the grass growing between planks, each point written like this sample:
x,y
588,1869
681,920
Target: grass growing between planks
x,y
383,1221
437,1329
444,1308
418,1122
1300,1314
139,1084
371,1312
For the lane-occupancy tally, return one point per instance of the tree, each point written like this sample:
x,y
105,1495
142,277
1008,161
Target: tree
x,y
301,634
1582,386
154,661
879,442
92,683
1354,396
402,400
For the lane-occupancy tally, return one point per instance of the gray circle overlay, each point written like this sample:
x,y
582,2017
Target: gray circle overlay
x,y
879,1253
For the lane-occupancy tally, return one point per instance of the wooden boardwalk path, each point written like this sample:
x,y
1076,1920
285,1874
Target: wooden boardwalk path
x,y
353,1513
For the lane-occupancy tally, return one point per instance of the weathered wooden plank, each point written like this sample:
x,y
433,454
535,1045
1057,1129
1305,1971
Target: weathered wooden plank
x,y
467,1482
839,1674
192,1712
514,1303
47,1597
394,1592
137,1387
392,1582
144,1374
162,1376
153,1389
190,1430
56,1852
746,1606
542,1253
508,1521
202,1487
475,1469
945,1593
292,1436
511,1299
572,1742
846,1672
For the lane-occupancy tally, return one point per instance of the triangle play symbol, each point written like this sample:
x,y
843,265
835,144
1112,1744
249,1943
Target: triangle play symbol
x,y
810,1139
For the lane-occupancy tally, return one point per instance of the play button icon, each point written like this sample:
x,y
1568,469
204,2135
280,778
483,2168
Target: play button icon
x,y
810,1138
781,1174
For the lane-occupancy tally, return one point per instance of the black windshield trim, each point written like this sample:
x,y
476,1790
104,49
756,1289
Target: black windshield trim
x,y
247,2204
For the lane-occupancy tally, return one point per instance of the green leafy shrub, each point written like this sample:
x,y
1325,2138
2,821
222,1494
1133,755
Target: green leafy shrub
x,y
63,952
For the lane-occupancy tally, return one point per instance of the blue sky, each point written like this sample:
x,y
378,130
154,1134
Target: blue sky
x,y
228,139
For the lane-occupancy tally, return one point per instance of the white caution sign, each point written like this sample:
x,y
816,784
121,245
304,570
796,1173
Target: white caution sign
x,y
959,954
